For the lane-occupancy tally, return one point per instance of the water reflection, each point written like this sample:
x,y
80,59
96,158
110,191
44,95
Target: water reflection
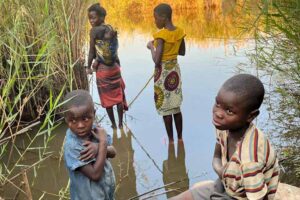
x,y
45,178
174,170
123,165
201,19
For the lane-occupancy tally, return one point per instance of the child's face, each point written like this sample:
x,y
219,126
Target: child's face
x,y
95,19
80,119
229,111
159,21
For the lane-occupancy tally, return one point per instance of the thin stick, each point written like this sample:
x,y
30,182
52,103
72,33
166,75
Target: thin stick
x,y
17,187
130,104
161,193
20,132
18,192
139,143
169,184
26,185
11,179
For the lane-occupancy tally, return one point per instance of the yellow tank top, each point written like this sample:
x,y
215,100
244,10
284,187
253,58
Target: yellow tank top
x,y
172,41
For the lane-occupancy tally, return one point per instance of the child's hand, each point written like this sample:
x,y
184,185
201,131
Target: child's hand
x,y
150,44
95,65
90,151
100,134
89,71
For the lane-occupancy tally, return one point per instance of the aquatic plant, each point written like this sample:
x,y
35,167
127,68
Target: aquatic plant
x,y
41,57
277,54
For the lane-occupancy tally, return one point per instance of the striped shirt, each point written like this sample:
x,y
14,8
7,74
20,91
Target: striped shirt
x,y
252,171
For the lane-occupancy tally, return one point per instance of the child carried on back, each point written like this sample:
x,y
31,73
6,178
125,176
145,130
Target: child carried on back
x,y
106,48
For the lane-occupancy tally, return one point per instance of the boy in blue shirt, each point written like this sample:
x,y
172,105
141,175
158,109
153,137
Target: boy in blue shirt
x,y
91,177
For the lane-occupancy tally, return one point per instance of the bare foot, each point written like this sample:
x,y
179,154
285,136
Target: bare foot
x,y
113,126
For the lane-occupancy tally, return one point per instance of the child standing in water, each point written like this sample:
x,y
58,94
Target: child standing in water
x,y
103,48
167,45
90,177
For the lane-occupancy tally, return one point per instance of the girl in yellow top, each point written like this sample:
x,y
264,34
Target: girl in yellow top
x,y
167,45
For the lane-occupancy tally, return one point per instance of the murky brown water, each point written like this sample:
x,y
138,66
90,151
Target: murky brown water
x,y
145,161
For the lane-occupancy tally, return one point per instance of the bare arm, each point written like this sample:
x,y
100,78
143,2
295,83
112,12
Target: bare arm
x,y
92,50
182,48
94,171
91,151
217,161
156,53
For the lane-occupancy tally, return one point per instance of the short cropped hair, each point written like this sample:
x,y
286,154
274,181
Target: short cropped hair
x,y
248,87
101,12
77,98
164,10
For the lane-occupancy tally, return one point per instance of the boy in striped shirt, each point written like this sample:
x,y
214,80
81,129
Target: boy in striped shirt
x,y
244,159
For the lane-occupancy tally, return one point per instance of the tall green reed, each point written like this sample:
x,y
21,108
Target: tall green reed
x,y
277,55
41,57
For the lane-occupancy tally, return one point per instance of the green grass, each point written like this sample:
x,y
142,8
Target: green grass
x,y
277,55
41,48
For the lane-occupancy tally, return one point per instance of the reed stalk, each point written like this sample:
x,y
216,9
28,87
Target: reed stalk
x,y
277,57
41,58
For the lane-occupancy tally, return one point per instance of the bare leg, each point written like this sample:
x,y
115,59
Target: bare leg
x,y
111,116
169,127
120,114
178,124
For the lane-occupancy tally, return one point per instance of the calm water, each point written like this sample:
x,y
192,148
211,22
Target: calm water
x,y
145,161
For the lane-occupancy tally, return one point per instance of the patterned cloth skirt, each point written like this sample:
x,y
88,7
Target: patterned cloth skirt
x,y
167,88
110,86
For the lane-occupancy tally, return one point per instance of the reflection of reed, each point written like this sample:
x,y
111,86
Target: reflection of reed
x,y
201,19
174,169
123,166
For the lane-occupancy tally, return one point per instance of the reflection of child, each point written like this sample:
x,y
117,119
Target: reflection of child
x,y
91,177
167,45
244,159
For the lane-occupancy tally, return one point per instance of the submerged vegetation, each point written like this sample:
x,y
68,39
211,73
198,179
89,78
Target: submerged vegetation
x,y
277,55
41,57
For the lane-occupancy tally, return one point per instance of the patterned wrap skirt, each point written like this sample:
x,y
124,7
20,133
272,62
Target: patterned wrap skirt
x,y
167,88
110,86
